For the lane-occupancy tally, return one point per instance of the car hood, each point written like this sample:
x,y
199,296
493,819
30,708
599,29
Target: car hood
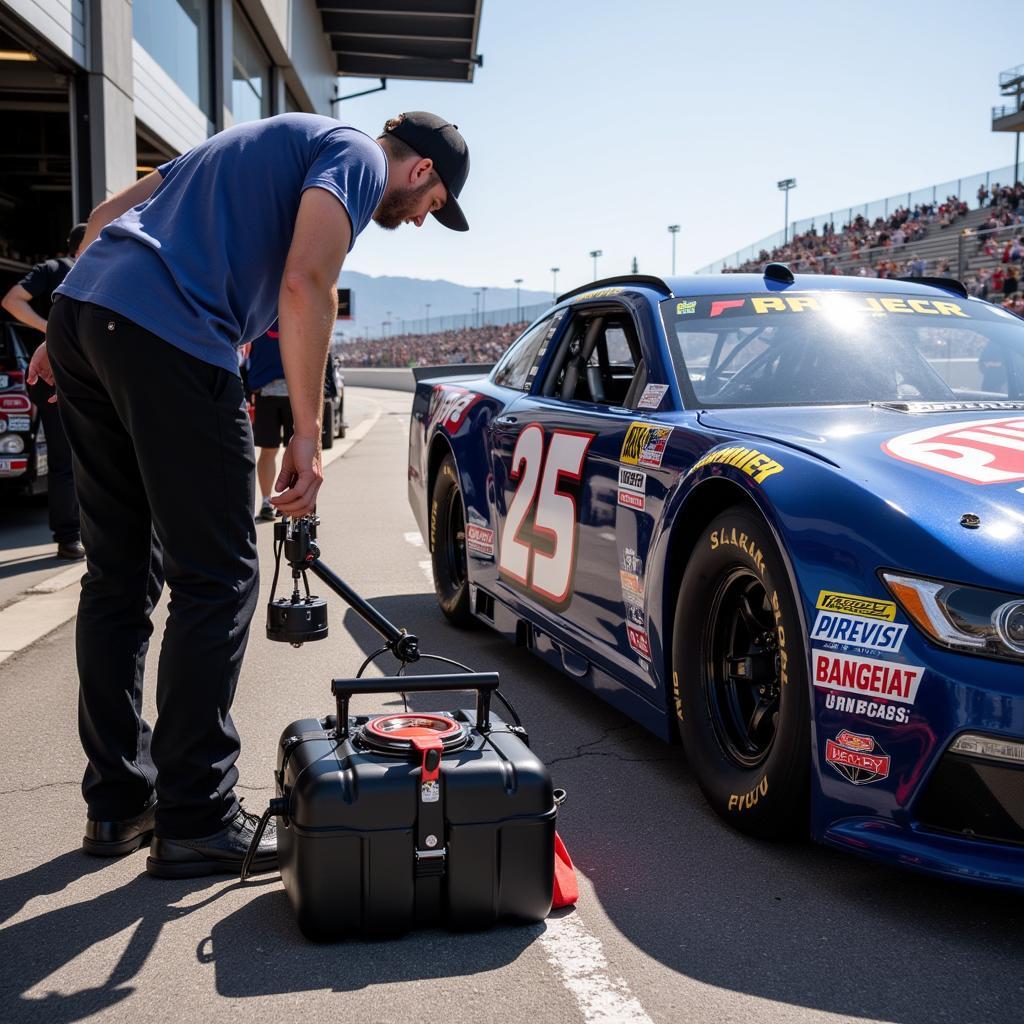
x,y
934,463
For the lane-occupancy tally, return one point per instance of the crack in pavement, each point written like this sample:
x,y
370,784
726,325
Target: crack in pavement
x,y
583,749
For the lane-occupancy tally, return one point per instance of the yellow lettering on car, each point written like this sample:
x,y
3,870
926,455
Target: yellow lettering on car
x,y
950,309
855,604
921,306
768,305
798,303
755,464
895,305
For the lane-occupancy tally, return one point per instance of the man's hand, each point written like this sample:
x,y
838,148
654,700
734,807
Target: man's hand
x,y
39,367
302,474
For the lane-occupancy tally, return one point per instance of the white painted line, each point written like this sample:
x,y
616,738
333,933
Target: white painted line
x,y
61,580
26,621
414,539
579,958
352,437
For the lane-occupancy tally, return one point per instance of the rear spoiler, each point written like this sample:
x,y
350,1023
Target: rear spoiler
x,y
451,370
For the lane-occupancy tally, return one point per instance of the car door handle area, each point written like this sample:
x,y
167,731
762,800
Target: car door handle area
x,y
505,421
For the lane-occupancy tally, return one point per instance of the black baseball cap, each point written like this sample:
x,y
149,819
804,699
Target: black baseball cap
x,y
439,140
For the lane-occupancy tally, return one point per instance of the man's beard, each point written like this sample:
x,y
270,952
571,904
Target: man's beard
x,y
400,207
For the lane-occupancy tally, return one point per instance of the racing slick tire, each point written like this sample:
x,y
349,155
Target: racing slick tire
x,y
448,546
740,680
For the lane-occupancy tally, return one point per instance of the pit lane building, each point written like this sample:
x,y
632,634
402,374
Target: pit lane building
x,y
95,93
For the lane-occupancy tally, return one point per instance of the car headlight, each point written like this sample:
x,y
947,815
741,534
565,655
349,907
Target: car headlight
x,y
12,444
960,617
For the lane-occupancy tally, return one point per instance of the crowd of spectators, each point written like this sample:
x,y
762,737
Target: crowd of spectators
x,y
465,345
833,250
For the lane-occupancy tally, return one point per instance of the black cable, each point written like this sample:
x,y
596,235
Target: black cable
x,y
465,668
376,654
278,546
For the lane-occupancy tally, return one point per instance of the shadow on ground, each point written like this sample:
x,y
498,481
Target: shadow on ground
x,y
800,924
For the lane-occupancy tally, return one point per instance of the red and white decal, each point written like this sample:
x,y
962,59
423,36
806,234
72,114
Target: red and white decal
x,y
548,573
449,405
978,451
13,465
15,403
639,641
479,540
631,500
869,677
857,758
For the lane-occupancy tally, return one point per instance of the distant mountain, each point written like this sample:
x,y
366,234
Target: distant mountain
x,y
405,298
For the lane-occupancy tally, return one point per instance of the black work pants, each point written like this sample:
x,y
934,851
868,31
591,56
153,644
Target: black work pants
x,y
163,461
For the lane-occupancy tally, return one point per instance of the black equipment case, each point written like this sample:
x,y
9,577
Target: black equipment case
x,y
399,820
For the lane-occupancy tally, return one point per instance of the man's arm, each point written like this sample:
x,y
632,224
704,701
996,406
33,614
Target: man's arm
x,y
307,308
16,302
112,208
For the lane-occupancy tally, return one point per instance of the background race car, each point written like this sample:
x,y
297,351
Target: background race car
x,y
777,517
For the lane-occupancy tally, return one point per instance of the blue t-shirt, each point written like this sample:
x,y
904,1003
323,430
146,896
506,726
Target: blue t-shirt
x,y
199,263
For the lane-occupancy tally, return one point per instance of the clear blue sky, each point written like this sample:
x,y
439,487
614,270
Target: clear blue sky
x,y
594,124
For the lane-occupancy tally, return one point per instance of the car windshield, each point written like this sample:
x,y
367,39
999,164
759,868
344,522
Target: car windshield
x,y
841,348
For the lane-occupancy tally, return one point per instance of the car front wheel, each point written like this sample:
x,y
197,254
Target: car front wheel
x,y
739,679
448,545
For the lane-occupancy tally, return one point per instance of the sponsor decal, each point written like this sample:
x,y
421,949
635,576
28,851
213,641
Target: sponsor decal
x,y
539,358
14,466
18,423
873,709
858,631
5,381
854,604
630,583
631,500
977,451
752,462
479,540
747,801
685,308
600,293
859,759
972,406
652,396
719,306
638,640
851,302
864,676
632,480
644,444
738,539
15,403
449,405
631,561
635,614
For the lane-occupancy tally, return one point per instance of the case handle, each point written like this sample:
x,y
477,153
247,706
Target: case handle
x,y
485,683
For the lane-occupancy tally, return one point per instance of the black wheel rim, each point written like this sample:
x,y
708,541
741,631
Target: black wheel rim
x,y
454,540
742,678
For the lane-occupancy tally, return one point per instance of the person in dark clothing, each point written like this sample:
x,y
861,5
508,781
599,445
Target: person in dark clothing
x,y
177,272
30,301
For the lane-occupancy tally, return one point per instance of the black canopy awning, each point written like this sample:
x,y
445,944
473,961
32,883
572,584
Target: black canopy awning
x,y
431,40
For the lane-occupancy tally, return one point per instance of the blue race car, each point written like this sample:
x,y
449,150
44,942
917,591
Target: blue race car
x,y
778,517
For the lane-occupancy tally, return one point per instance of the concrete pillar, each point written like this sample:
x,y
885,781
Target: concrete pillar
x,y
223,57
110,98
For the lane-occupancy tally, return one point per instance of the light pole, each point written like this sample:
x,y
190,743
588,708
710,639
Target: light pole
x,y
483,304
476,295
594,253
784,186
554,283
518,281
428,316
673,230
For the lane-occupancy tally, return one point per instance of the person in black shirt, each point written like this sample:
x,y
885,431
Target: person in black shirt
x,y
30,301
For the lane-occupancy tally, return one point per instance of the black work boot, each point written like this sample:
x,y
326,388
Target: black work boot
x,y
116,838
219,854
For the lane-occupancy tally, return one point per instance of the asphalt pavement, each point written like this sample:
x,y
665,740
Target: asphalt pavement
x,y
679,919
